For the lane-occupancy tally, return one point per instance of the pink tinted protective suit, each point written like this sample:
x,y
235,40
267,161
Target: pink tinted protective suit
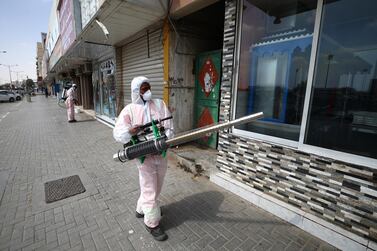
x,y
152,171
70,103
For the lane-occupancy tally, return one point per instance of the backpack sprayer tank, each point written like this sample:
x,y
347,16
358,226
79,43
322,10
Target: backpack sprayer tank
x,y
161,144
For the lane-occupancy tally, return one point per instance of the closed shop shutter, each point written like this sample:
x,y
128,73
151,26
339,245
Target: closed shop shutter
x,y
143,57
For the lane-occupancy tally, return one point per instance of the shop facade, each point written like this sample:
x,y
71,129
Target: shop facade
x,y
104,91
311,67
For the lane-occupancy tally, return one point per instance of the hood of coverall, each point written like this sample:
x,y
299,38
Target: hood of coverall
x,y
135,89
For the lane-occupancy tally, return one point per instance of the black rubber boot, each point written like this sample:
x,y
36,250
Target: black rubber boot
x,y
138,215
158,233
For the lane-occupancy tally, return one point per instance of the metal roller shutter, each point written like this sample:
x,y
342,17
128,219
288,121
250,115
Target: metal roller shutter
x,y
138,62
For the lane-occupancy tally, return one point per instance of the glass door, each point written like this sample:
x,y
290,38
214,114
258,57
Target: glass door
x,y
107,88
96,90
104,94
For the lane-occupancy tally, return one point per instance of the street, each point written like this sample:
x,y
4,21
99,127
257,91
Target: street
x,y
38,145
6,108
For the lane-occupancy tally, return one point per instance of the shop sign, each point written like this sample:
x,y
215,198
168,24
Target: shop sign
x,y
107,67
66,22
89,9
56,54
53,29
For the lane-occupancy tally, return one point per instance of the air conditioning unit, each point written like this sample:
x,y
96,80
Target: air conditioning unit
x,y
87,68
78,71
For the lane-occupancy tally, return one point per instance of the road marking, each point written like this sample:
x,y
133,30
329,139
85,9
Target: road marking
x,y
3,117
18,104
6,114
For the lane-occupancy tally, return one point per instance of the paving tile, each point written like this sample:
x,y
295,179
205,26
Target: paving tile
x,y
218,243
248,244
233,244
204,241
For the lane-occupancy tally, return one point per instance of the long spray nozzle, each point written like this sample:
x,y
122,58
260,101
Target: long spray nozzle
x,y
156,146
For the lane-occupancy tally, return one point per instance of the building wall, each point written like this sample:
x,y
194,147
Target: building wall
x,y
39,59
182,86
337,192
44,63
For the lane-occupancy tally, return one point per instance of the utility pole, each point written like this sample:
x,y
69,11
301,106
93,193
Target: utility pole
x,y
10,74
17,76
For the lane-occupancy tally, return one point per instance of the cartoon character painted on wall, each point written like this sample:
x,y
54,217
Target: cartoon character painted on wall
x,y
208,77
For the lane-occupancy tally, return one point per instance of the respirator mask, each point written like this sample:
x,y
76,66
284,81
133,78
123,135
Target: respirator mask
x,y
147,95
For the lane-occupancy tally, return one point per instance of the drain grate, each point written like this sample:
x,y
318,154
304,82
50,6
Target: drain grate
x,y
63,188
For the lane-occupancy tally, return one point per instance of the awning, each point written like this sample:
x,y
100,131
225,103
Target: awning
x,y
122,19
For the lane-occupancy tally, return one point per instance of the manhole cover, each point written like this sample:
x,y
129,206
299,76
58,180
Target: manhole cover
x,y
63,188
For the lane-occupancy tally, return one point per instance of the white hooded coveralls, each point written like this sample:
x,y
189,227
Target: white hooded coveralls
x,y
70,103
153,169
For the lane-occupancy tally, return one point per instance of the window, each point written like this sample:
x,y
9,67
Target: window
x,y
343,108
276,41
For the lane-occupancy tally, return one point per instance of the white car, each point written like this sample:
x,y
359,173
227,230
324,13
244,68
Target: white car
x,y
6,96
16,95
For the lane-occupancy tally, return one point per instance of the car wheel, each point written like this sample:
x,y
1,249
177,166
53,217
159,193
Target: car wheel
x,y
11,100
18,98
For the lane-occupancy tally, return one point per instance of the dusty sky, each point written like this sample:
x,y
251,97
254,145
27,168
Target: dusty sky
x,y
21,24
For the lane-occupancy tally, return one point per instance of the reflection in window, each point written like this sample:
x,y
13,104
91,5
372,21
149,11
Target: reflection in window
x,y
97,94
343,110
276,39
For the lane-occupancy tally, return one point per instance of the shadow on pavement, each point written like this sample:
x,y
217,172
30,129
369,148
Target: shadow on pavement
x,y
204,207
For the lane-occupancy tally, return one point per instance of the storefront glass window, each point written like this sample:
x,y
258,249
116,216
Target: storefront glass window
x,y
343,108
105,95
112,97
107,72
276,41
96,89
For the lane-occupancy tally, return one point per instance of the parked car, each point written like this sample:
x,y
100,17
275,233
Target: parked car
x,y
20,91
16,95
6,96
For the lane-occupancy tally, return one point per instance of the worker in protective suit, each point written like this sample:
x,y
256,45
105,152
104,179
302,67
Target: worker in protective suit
x,y
70,103
152,171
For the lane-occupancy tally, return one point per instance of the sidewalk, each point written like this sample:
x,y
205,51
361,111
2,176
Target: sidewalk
x,y
38,145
